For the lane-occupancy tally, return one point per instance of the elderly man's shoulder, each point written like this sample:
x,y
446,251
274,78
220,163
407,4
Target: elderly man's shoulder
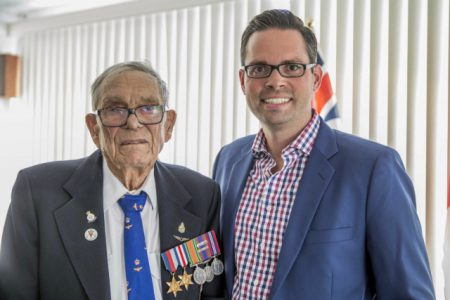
x,y
54,170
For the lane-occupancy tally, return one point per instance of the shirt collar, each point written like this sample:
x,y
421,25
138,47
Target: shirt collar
x,y
303,142
113,189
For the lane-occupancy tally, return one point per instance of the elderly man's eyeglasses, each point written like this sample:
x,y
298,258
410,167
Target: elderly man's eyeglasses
x,y
118,116
286,70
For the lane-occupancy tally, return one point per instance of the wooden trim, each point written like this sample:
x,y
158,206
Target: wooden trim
x,y
9,75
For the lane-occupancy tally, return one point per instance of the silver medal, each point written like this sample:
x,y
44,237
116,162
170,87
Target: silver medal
x,y
199,276
209,274
217,266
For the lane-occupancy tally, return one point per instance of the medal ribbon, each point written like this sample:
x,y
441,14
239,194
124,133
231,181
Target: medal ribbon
x,y
212,238
202,246
170,260
194,251
181,256
194,259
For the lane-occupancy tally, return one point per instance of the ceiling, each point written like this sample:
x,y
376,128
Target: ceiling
x,y
13,11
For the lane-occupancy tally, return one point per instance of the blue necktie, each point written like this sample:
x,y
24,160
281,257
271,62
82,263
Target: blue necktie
x,y
137,268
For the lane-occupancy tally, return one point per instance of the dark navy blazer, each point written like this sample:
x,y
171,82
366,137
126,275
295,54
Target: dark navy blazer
x,y
44,253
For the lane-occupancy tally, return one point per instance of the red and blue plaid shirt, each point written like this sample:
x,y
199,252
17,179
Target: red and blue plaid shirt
x,y
264,212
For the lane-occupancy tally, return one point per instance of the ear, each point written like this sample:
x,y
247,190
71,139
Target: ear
x,y
317,73
241,79
94,129
171,117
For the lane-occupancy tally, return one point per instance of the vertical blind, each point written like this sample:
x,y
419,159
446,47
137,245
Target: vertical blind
x,y
388,62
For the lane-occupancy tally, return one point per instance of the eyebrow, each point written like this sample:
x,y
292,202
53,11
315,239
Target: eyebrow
x,y
120,100
287,61
151,100
113,100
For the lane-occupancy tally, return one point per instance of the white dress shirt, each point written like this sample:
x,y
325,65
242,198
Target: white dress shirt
x,y
113,189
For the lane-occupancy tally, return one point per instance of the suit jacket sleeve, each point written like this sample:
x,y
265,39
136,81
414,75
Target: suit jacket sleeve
x,y
19,247
394,238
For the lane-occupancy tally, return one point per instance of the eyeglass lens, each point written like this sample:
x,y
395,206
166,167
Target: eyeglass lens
x,y
118,116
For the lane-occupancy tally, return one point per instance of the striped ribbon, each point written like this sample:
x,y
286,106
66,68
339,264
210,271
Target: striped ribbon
x,y
203,248
170,260
212,238
195,251
194,258
181,255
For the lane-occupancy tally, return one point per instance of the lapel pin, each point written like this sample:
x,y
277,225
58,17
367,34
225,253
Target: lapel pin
x,y
90,217
91,234
180,238
181,228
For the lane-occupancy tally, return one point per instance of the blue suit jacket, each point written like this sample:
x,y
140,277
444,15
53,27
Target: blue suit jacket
x,y
353,231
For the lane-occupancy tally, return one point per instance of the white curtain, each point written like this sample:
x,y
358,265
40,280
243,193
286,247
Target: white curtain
x,y
388,62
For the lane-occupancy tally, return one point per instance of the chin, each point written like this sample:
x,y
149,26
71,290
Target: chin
x,y
138,163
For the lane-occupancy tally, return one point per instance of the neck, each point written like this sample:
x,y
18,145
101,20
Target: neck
x,y
131,178
276,142
279,138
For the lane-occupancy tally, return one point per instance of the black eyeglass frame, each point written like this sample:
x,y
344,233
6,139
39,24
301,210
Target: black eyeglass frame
x,y
132,111
277,67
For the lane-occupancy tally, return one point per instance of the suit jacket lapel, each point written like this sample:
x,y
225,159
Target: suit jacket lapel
x,y
172,201
232,198
316,177
88,257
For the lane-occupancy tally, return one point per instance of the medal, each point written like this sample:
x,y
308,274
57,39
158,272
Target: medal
x,y
196,252
199,276
195,259
174,286
171,263
217,266
209,274
186,278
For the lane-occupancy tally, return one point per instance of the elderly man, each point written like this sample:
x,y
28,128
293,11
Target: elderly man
x,y
310,212
95,228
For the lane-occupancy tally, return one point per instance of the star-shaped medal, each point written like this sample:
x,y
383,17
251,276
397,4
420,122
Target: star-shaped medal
x,y
185,279
174,286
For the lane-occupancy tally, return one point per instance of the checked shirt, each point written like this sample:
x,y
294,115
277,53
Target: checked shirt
x,y
264,211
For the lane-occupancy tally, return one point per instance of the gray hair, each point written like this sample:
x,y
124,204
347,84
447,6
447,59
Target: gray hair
x,y
123,67
280,19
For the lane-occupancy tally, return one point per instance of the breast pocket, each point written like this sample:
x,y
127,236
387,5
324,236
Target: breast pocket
x,y
329,235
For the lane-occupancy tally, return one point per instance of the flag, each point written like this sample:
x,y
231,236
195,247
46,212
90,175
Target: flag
x,y
325,102
446,263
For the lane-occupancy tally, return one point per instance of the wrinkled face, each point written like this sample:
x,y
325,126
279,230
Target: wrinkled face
x,y
133,145
279,102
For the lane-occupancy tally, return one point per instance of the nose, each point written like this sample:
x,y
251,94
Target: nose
x,y
132,121
275,80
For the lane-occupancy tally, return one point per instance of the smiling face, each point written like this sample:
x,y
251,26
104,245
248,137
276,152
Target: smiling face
x,y
133,146
279,103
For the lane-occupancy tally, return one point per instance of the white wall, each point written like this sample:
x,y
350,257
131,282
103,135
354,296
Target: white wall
x,y
15,123
16,151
